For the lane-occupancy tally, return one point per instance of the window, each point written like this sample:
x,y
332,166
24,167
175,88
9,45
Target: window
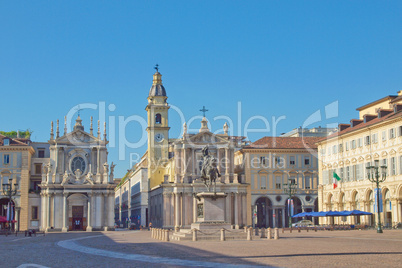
x,y
293,180
263,160
400,131
348,173
347,146
374,138
41,153
6,159
384,163
306,161
38,169
334,149
6,142
353,144
292,161
384,135
278,184
263,182
341,172
307,182
340,149
392,133
357,175
34,213
158,119
367,140
359,142
393,166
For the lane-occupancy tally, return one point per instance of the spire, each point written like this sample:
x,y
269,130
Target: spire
x,y
91,129
104,131
78,124
51,131
65,125
57,129
204,125
184,129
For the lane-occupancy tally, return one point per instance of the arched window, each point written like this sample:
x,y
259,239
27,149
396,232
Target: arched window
x,y
158,119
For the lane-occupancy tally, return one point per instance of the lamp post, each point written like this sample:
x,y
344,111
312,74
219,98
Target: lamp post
x,y
374,176
9,192
290,189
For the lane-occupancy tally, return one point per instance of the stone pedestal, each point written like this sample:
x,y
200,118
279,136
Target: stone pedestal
x,y
210,211
64,229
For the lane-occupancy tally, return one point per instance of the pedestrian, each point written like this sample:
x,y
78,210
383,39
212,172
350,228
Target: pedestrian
x,y
150,226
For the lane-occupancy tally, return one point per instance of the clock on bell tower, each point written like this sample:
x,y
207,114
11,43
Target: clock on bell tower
x,y
158,130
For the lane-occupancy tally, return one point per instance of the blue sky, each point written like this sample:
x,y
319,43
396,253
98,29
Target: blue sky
x,y
278,58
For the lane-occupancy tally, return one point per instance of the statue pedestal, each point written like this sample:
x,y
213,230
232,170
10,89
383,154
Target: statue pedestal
x,y
210,211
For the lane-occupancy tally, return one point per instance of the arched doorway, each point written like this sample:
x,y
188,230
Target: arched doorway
x,y
264,213
387,209
77,212
297,208
356,205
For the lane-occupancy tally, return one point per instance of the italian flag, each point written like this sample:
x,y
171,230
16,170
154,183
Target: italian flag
x,y
336,179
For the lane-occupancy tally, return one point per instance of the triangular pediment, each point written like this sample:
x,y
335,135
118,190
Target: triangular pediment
x,y
207,138
78,137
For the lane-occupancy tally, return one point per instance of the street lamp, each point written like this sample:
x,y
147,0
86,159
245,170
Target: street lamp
x,y
290,189
374,176
10,192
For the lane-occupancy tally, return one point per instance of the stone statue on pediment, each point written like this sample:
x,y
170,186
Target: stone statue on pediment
x,y
209,170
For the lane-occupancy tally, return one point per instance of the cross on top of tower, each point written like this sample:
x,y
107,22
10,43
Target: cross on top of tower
x,y
79,110
203,110
156,67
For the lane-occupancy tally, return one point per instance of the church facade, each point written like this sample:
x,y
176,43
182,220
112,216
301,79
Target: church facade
x,y
77,191
174,168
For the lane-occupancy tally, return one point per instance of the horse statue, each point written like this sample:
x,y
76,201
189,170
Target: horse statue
x,y
209,171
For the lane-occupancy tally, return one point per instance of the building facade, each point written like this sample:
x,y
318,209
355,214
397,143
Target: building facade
x,y
15,167
376,135
270,166
131,197
77,192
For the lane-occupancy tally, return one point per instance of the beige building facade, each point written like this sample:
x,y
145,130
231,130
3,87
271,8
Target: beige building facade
x,y
376,135
270,165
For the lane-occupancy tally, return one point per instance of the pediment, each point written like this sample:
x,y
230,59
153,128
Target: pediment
x,y
78,137
207,138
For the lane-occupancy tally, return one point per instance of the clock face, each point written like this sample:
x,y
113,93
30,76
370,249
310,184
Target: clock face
x,y
159,137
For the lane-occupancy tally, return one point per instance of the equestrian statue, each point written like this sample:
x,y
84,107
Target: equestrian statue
x,y
209,171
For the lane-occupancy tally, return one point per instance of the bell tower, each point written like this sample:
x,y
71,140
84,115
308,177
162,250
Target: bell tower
x,y
158,130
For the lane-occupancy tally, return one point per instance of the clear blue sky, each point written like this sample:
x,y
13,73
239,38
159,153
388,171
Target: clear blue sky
x,y
278,58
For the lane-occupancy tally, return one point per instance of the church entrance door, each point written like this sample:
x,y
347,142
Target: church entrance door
x,y
78,215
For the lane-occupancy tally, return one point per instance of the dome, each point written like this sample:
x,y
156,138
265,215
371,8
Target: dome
x,y
157,88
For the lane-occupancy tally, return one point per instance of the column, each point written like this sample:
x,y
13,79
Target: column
x,y
194,209
177,210
182,212
54,210
245,209
228,210
283,218
48,212
64,225
236,210
192,163
177,164
89,214
43,211
227,179
185,164
111,211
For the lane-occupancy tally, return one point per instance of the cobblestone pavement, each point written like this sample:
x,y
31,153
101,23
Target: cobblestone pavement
x,y
137,249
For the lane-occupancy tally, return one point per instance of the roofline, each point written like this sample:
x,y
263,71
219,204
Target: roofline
x,y
376,102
